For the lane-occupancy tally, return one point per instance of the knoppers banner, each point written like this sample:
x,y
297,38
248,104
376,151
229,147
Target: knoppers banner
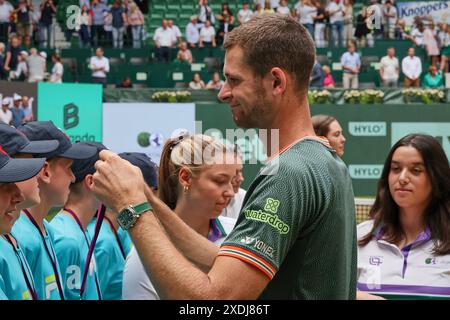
x,y
74,108
439,10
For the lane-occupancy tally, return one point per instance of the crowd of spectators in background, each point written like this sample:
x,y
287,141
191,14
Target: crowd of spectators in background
x,y
331,23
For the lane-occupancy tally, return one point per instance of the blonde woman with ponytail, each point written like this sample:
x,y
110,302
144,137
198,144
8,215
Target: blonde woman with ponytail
x,y
195,181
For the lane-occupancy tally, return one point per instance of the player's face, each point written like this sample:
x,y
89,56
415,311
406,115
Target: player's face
x,y
10,197
212,188
61,178
244,92
336,138
409,182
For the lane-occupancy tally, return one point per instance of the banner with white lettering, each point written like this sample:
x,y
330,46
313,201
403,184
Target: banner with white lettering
x,y
144,127
438,10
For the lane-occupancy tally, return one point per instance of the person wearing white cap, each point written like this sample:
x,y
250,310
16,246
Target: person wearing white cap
x,y
36,66
6,115
17,111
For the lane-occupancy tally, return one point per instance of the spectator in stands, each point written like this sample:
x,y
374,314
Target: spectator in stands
x,y
107,27
164,40
317,76
2,61
97,27
400,30
12,53
6,115
21,72
433,79
351,66
361,30
205,12
27,107
17,111
99,66
24,10
319,24
119,20
411,68
225,11
348,21
207,35
175,30
84,22
389,69
244,14
48,9
36,66
215,83
390,18
184,54
264,10
136,20
416,35
283,8
6,10
143,5
328,81
405,249
125,83
444,43
225,26
192,32
336,12
430,42
328,127
197,82
306,11
57,70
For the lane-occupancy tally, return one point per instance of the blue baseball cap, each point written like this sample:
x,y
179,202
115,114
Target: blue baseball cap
x,y
14,141
148,167
82,167
16,170
46,130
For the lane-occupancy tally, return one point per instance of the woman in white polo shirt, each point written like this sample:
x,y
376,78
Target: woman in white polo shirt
x,y
404,252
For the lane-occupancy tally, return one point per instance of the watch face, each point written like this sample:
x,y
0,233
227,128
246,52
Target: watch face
x,y
126,219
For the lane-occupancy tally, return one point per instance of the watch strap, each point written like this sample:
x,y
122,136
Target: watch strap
x,y
142,207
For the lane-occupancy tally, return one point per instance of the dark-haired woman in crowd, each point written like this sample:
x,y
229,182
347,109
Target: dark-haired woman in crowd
x,y
404,250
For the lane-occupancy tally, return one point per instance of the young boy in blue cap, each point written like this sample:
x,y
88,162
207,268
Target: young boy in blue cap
x,y
16,280
113,243
72,241
31,229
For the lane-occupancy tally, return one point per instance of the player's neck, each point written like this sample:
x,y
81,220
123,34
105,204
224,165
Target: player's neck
x,y
83,210
39,213
293,123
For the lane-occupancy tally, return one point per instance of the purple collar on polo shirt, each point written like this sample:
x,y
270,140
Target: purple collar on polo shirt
x,y
216,231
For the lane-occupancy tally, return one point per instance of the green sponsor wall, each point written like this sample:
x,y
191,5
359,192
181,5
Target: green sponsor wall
x,y
370,131
75,108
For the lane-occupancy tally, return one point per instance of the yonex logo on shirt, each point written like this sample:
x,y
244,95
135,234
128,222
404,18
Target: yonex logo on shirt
x,y
265,217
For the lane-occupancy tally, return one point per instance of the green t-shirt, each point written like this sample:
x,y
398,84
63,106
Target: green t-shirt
x,y
298,225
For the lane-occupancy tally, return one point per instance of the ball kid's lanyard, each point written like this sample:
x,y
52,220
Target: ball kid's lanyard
x,y
86,268
117,237
26,273
52,255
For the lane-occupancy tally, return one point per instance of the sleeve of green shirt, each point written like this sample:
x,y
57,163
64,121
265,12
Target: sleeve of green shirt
x,y
277,210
